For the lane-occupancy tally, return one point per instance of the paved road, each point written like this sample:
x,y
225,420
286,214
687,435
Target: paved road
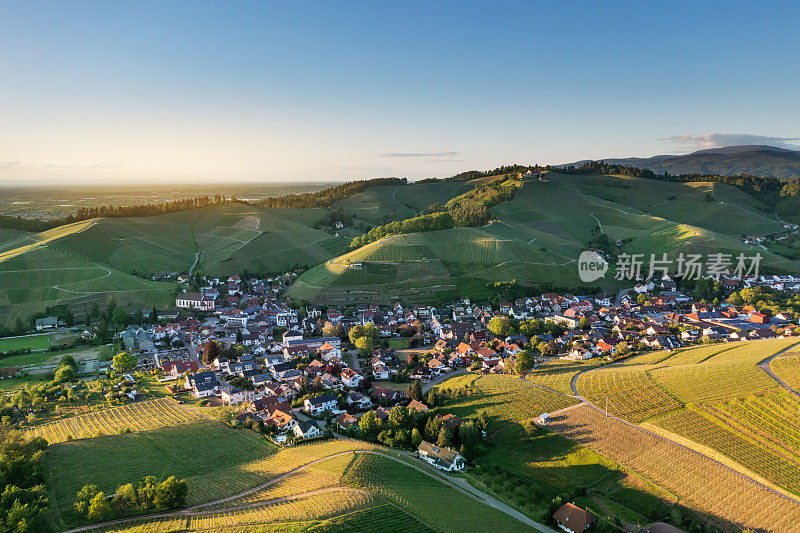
x,y
456,484
354,360
764,365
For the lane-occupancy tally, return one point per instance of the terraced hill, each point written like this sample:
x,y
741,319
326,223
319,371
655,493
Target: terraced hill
x,y
537,237
81,264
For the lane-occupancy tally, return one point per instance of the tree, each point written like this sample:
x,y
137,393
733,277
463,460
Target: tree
x,y
211,351
369,426
124,362
125,499
364,344
415,391
622,348
99,508
500,326
84,499
64,374
154,316
432,427
641,299
445,438
584,324
171,493
119,316
525,362
416,438
399,417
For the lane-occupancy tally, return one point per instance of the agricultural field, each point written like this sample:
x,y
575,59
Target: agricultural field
x,y
379,517
760,432
228,238
378,205
787,367
707,487
660,382
627,392
505,399
141,416
414,491
557,374
112,460
537,236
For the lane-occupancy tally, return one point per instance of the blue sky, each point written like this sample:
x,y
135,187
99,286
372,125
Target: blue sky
x,y
336,90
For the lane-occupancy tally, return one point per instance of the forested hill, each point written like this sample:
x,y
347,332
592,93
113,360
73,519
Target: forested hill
x,y
754,160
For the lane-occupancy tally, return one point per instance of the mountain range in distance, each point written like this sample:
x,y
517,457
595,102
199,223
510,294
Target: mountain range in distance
x,y
757,160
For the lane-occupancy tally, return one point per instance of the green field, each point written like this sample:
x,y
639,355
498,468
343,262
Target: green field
x,y
537,237
31,342
414,491
171,450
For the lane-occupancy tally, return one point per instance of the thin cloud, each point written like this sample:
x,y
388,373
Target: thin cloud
x,y
718,140
10,164
420,154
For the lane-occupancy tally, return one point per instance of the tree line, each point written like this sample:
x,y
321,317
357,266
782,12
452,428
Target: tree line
x,y
327,197
108,211
780,195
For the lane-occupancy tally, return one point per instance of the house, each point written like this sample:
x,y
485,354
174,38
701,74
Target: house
x,y
320,404
346,421
388,395
307,429
442,458
417,406
194,300
49,322
573,519
358,400
203,384
282,420
232,395
351,378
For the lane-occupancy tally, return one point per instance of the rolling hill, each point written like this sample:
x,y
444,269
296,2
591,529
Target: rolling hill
x,y
757,160
536,238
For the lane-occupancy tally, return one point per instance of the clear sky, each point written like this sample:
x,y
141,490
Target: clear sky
x,y
335,90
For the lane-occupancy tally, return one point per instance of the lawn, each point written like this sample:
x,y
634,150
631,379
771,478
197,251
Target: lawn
x,y
32,342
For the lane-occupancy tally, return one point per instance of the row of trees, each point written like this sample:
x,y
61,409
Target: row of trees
x,y
148,495
431,222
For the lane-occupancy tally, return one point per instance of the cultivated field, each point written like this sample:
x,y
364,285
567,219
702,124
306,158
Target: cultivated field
x,y
787,367
414,491
701,484
503,398
142,416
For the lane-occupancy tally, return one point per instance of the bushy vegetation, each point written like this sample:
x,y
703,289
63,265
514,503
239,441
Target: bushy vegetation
x,y
23,497
148,495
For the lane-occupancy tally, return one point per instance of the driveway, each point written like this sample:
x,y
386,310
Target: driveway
x,y
444,377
